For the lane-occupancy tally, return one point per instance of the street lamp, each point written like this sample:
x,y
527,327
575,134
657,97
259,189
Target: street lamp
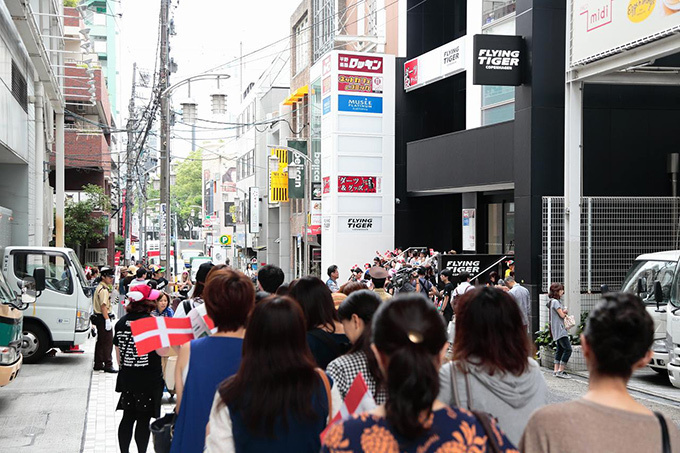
x,y
165,156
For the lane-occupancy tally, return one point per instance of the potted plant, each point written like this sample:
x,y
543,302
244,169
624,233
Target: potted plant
x,y
546,346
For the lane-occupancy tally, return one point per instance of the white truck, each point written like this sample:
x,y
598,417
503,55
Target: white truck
x,y
60,318
651,277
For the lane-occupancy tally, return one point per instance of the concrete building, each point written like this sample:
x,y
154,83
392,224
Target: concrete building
x,y
32,106
259,235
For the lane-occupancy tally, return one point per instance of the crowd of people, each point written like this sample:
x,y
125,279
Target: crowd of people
x,y
284,356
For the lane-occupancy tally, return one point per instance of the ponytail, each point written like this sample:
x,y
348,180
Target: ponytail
x,y
411,334
412,387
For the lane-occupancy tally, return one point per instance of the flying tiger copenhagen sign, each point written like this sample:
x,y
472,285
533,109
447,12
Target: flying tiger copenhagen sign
x,y
498,60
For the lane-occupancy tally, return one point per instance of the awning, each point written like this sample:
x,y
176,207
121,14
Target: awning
x,y
297,96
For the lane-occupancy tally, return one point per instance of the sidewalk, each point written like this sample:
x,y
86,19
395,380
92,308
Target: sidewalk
x,y
101,427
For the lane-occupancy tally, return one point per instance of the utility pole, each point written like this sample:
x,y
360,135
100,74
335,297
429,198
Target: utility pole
x,y
129,166
165,236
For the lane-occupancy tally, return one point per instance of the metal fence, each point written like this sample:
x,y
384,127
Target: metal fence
x,y
614,231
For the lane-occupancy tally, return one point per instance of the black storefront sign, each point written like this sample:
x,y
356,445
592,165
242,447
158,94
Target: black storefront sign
x,y
478,266
498,60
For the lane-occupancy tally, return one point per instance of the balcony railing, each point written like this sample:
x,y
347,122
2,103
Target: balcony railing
x,y
494,10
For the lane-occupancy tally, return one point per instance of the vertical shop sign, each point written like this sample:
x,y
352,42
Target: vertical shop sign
x,y
254,209
296,187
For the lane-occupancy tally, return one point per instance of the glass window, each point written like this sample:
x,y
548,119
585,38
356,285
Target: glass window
x,y
302,44
498,114
495,222
495,95
57,273
650,272
509,231
493,10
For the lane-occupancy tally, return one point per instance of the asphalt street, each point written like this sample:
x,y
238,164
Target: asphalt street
x,y
46,408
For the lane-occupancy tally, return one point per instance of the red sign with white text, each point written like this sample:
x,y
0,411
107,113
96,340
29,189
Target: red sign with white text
x,y
327,184
411,73
357,184
360,63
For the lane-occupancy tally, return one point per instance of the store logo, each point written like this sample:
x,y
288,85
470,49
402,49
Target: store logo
x,y
597,15
639,10
498,60
360,63
411,73
360,224
360,104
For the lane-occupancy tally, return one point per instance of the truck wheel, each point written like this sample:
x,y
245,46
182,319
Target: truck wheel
x,y
34,344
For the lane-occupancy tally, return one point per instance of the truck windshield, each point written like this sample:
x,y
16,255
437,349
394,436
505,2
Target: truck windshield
x,y
649,272
79,271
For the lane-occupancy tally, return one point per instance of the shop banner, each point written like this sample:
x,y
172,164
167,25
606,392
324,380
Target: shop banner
x,y
326,184
296,187
360,104
326,86
360,84
498,60
479,266
604,27
254,209
434,65
327,105
360,63
230,214
359,184
469,230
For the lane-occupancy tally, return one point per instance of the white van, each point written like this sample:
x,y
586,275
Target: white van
x,y
60,318
646,270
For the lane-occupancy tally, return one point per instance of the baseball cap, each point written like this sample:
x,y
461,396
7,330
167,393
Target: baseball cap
x,y
202,272
143,292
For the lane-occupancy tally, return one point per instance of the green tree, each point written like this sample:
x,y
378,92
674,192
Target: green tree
x,y
185,194
81,228
70,3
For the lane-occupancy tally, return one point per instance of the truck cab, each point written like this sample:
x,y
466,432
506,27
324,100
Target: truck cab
x,y
61,316
646,271
12,306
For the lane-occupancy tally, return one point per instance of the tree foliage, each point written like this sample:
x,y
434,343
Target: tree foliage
x,y
186,194
82,226
70,3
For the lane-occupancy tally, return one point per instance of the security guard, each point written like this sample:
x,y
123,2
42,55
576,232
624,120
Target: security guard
x,y
102,319
379,278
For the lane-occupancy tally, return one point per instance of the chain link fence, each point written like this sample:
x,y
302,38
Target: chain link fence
x,y
614,231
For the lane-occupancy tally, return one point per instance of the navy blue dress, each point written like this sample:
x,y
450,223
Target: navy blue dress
x,y
300,436
212,360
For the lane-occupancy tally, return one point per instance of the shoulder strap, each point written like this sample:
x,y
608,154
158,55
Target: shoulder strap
x,y
485,421
454,385
327,386
187,306
325,339
665,439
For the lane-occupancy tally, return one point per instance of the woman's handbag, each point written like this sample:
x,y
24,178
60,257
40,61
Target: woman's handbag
x,y
327,386
162,430
569,322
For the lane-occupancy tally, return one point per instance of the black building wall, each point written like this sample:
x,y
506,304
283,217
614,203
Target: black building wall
x,y
628,131
433,23
539,132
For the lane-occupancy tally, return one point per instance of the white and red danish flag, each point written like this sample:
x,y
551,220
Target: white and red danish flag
x,y
358,400
160,332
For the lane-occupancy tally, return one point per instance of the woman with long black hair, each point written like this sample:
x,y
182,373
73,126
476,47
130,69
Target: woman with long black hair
x,y
278,400
409,341
356,314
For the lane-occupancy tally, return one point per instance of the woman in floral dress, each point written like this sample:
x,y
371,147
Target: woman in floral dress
x,y
409,341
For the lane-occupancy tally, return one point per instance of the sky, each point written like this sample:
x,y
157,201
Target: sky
x,y
209,33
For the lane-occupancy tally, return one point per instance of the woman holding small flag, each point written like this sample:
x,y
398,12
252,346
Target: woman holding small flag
x,y
229,297
409,341
140,380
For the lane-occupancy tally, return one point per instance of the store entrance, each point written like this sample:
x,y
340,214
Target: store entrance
x,y
499,223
